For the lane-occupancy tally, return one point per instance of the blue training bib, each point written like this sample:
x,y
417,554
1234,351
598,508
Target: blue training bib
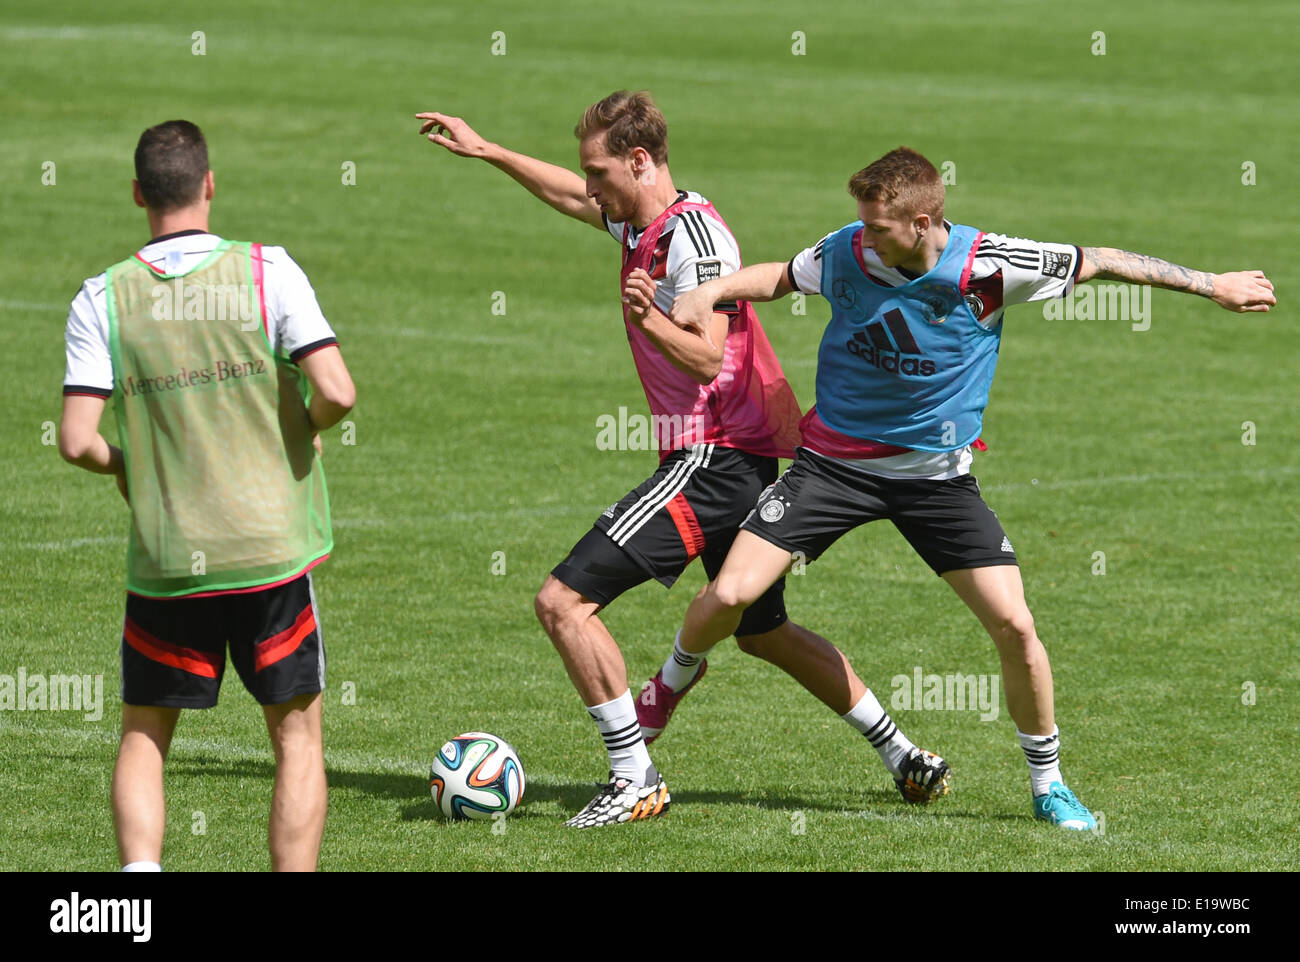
x,y
908,365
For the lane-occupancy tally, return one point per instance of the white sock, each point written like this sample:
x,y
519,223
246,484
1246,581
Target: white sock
x,y
628,756
681,666
874,722
142,867
1042,754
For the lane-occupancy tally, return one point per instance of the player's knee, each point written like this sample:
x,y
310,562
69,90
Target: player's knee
x,y
554,603
1016,630
548,606
298,749
730,594
757,645
295,728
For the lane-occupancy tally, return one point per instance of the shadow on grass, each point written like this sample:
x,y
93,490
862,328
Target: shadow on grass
x,y
378,784
413,790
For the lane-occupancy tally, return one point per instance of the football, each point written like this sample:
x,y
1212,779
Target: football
x,y
476,775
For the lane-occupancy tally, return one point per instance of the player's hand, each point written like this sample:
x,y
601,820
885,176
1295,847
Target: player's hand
x,y
452,133
694,310
1243,291
121,486
316,443
639,295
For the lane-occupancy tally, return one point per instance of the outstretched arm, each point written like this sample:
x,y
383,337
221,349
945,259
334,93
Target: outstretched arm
x,y
758,282
1237,291
560,188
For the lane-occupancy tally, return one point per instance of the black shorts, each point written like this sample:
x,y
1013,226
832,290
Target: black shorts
x,y
174,649
819,499
692,506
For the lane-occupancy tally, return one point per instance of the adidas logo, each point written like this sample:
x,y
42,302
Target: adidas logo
x,y
874,346
1006,545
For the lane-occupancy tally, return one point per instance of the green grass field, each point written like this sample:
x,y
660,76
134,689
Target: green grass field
x,y
475,432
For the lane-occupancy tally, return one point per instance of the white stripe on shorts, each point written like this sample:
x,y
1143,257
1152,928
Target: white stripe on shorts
x,y
667,489
320,634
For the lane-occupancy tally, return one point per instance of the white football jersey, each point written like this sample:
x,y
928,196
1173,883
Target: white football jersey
x,y
693,248
296,326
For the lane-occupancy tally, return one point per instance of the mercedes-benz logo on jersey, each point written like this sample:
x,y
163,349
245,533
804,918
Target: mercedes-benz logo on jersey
x,y
844,293
976,304
772,511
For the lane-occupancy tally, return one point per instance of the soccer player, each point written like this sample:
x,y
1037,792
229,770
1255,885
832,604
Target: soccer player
x,y
204,344
725,414
903,375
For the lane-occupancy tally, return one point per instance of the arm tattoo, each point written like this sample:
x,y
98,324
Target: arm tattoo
x,y
1117,265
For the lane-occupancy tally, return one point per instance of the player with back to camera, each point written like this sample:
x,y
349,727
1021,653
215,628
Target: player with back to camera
x,y
204,344
729,414
903,375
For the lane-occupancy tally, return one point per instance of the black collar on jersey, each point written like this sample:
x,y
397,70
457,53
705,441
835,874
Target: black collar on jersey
x,y
179,233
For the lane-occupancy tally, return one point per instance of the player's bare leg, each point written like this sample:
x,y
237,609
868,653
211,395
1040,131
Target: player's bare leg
x,y
752,566
996,595
812,661
596,668
300,797
139,809
591,656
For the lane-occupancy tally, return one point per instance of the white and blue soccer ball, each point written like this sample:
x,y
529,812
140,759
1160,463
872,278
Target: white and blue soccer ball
x,y
476,775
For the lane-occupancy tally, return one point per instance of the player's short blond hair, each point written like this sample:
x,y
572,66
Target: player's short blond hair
x,y
629,120
905,182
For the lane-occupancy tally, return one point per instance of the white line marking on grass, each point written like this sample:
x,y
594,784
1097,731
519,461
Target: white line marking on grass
x,y
544,511
63,545
1203,477
340,759
471,517
134,30
32,305
454,517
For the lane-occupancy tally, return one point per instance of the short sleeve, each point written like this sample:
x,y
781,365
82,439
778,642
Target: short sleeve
x,y
616,228
292,308
804,272
89,368
1031,270
702,250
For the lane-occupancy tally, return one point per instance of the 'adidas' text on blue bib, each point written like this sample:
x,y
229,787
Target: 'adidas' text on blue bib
x,y
907,365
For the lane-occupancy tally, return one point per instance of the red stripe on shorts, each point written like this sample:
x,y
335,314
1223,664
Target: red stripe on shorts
x,y
200,663
688,526
285,643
